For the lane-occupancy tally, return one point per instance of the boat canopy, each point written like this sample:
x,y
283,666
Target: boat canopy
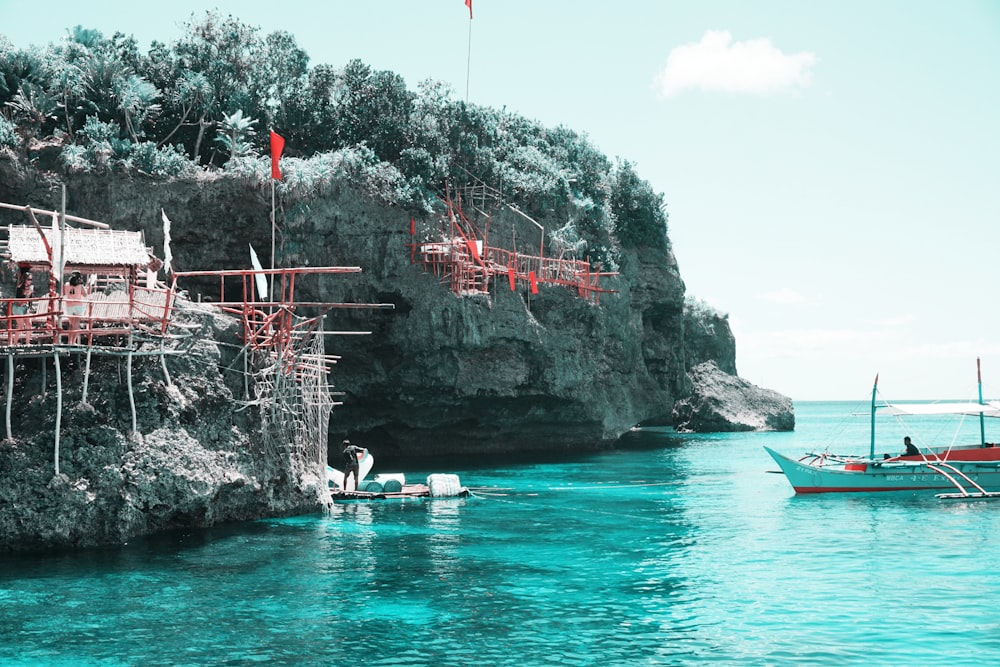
x,y
991,409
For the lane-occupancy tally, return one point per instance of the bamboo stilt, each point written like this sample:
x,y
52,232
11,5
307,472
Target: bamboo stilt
x,y
10,391
131,397
163,362
86,376
55,359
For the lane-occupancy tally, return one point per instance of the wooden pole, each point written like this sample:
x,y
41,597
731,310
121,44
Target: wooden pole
x,y
10,391
131,398
163,362
270,293
55,359
982,422
874,394
62,246
468,62
31,211
86,376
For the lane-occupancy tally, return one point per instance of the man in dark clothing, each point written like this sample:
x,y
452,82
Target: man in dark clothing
x,y
911,449
351,463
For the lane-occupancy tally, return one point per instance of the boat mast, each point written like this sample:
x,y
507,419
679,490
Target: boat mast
x,y
874,390
982,418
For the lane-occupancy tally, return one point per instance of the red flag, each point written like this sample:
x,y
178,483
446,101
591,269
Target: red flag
x,y
468,3
533,281
510,277
413,226
277,145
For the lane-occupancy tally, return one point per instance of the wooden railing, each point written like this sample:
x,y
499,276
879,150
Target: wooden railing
x,y
468,273
48,321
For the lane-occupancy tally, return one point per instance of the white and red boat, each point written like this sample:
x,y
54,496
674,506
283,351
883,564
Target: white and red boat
x,y
956,470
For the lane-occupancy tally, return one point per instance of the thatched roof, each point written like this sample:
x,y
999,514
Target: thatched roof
x,y
83,247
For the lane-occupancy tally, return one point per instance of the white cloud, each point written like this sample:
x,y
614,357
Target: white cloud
x,y
804,343
895,322
716,63
785,295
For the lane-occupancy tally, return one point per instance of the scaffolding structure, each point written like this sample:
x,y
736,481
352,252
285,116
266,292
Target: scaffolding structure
x,y
295,399
285,355
462,256
126,311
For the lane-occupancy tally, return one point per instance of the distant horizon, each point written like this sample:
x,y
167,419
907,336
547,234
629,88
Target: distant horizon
x,y
895,400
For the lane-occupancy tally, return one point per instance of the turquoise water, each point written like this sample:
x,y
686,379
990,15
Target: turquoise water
x,y
682,551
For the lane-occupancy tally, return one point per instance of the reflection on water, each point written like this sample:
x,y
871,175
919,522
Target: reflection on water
x,y
688,553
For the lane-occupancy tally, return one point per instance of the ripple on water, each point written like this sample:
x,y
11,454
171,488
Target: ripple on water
x,y
688,554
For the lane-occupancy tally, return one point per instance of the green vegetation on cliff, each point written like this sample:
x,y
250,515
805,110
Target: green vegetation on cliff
x,y
206,101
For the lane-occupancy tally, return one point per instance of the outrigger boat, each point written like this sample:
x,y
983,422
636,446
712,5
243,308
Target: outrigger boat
x,y
959,471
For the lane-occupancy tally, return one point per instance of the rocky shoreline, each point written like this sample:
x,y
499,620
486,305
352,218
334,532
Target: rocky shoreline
x,y
193,460
723,403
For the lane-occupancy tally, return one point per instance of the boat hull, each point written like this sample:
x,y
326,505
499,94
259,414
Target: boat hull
x,y
898,475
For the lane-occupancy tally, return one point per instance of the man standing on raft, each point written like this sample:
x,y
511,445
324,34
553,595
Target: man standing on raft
x,y
351,463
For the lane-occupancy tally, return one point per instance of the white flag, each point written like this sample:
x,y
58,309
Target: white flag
x,y
166,243
261,278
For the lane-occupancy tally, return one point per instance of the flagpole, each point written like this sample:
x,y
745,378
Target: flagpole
x,y
270,291
468,60
277,145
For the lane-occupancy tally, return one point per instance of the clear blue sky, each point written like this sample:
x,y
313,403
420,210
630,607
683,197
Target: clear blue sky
x,y
831,168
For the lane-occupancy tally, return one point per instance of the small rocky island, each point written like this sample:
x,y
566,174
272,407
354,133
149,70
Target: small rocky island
x,y
720,402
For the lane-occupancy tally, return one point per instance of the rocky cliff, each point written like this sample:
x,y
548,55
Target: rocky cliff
x,y
193,459
440,372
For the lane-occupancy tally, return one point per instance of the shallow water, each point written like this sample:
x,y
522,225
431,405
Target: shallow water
x,y
684,551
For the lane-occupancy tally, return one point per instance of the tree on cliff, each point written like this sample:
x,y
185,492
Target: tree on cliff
x,y
111,108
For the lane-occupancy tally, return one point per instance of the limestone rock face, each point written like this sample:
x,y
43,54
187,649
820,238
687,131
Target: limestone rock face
x,y
720,402
192,461
439,373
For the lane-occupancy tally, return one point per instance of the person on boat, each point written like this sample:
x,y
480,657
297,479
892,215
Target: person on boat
x,y
351,463
74,296
911,449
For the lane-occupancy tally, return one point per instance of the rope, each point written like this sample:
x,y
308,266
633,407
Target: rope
x,y
610,486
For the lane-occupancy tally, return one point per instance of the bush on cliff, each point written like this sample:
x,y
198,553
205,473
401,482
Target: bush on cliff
x,y
108,108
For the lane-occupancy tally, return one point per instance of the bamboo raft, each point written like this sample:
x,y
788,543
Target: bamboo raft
x,y
408,491
436,488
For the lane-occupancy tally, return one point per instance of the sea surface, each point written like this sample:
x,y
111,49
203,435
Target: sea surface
x,y
681,550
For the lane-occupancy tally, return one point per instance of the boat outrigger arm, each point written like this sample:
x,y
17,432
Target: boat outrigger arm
x,y
947,470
